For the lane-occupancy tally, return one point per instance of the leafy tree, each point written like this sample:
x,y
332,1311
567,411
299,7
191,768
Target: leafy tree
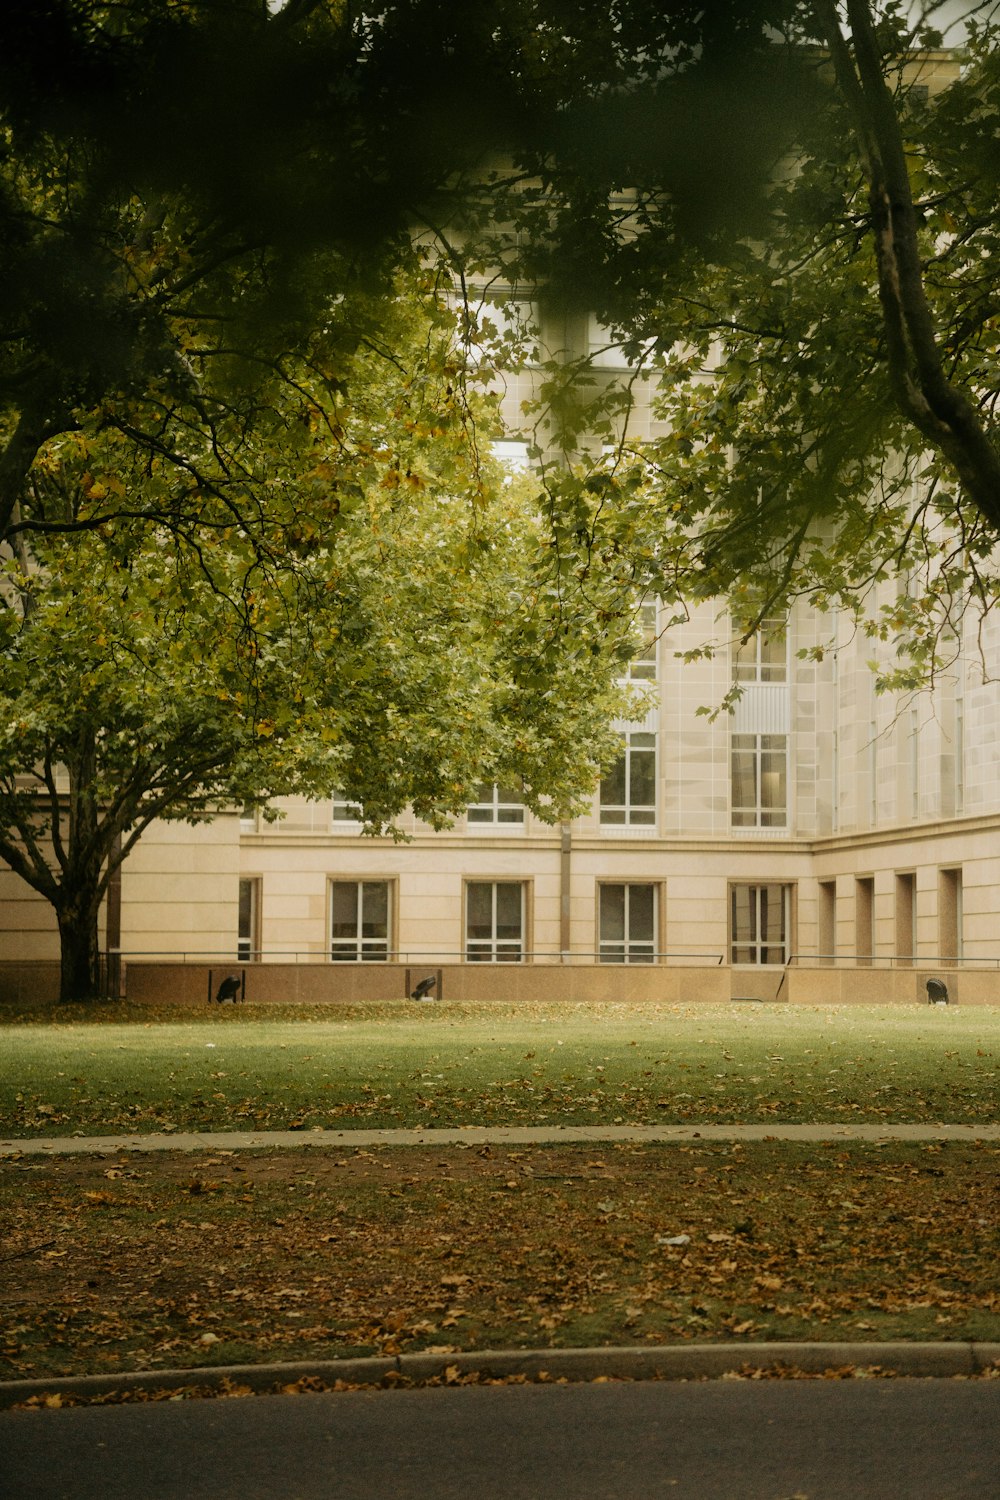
x,y
186,189
392,625
825,354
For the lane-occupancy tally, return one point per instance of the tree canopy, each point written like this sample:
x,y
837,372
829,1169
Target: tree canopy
x,y
824,353
392,627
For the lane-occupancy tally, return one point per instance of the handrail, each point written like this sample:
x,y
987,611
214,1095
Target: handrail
x,y
409,956
895,960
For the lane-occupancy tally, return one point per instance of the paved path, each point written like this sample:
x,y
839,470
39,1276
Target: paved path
x,y
478,1135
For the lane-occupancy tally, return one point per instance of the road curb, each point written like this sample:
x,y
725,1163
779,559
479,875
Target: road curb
x,y
666,1362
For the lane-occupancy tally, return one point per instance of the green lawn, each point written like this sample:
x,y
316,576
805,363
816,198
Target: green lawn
x,y
205,1258
441,1064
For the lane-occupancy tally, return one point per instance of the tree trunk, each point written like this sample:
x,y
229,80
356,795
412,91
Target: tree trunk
x,y
79,951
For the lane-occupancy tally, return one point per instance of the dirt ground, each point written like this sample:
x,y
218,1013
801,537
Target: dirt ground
x,y
133,1261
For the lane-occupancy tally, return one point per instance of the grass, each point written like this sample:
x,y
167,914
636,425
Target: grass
x,y
199,1259
400,1064
220,1258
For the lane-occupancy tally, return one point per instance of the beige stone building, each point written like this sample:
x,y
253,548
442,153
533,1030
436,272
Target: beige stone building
x,y
819,843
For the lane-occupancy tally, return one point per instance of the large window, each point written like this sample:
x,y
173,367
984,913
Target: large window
x,y
759,921
642,667
628,792
759,780
344,811
950,916
496,804
606,350
248,941
627,924
494,921
764,657
359,920
864,920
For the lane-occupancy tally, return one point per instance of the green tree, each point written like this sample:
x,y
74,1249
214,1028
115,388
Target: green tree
x,y
231,411
825,354
392,625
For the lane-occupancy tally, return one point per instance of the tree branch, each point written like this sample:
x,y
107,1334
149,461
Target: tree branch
x,y
942,412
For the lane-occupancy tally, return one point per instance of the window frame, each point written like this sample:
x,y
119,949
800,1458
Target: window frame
x,y
248,942
633,814
495,806
755,814
494,949
751,664
758,942
353,818
633,950
364,946
646,623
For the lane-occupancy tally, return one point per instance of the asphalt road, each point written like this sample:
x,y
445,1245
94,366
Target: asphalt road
x,y
719,1440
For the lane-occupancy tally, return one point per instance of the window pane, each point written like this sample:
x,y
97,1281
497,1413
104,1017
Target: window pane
x,y
643,665
612,913
509,910
772,914
640,913
773,651
344,909
479,899
375,910
773,779
246,909
510,808
613,786
745,660
744,776
743,914
642,778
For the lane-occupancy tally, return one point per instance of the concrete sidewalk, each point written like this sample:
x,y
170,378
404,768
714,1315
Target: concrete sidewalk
x,y
482,1135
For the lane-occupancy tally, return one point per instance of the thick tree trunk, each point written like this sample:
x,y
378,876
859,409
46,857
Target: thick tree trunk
x,y
79,951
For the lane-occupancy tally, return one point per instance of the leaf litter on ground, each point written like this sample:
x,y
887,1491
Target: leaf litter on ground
x,y
178,1261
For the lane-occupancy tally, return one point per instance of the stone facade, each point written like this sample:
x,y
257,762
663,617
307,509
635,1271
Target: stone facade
x,y
880,859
